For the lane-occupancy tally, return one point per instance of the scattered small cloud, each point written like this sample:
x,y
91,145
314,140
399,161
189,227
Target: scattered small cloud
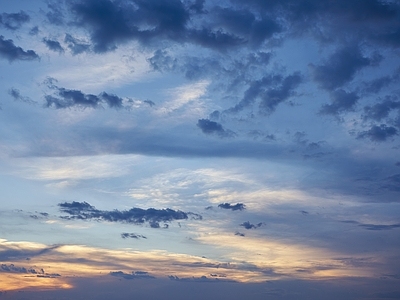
x,y
248,225
133,275
237,206
136,236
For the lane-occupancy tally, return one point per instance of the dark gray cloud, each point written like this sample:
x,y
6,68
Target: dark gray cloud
x,y
14,21
237,206
197,279
239,234
24,254
376,85
342,101
340,68
16,94
12,52
111,23
379,133
392,183
75,45
375,227
381,110
248,225
55,14
11,268
85,211
270,90
136,236
211,127
66,98
53,45
133,275
244,23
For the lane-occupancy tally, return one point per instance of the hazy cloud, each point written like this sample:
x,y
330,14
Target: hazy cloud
x,y
14,21
16,94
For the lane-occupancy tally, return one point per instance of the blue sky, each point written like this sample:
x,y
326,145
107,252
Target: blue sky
x,y
232,148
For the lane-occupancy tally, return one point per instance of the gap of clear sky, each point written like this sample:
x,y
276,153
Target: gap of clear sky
x,y
176,149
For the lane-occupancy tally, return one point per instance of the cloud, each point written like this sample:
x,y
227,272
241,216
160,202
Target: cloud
x,y
248,225
136,236
340,68
342,101
375,227
211,127
16,94
17,253
111,23
55,14
53,45
133,275
379,133
381,110
75,45
196,279
14,269
14,21
11,52
66,98
85,211
237,206
270,90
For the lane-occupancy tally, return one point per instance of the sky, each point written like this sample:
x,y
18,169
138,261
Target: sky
x,y
176,149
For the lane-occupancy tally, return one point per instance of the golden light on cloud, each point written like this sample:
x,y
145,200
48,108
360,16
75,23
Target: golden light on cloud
x,y
284,258
37,266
